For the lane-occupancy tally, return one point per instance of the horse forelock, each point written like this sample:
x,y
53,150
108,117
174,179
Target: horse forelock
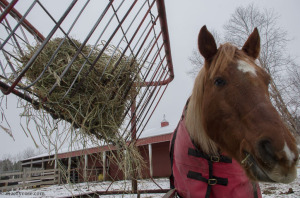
x,y
193,118
227,53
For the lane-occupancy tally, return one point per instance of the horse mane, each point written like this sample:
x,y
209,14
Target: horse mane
x,y
226,54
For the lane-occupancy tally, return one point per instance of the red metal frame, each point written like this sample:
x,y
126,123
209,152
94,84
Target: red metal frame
x,y
156,79
7,89
14,13
117,192
165,33
9,8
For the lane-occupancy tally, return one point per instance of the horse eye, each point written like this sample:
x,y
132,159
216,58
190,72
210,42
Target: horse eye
x,y
219,82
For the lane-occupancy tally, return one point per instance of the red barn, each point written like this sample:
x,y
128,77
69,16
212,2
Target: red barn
x,y
93,164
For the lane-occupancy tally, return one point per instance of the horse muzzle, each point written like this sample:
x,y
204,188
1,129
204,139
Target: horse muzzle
x,y
270,166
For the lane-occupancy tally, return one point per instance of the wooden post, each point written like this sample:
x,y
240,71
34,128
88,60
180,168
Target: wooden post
x,y
104,165
24,177
150,159
43,164
126,166
78,164
85,167
55,162
56,167
59,177
30,168
69,169
133,139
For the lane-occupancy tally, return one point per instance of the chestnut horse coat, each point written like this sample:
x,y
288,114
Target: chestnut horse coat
x,y
198,175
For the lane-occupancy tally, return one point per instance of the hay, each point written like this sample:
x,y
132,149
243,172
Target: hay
x,y
96,106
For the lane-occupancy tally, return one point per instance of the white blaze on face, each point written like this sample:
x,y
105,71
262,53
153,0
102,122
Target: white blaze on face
x,y
289,154
246,67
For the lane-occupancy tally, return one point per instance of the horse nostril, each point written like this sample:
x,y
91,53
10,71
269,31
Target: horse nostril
x,y
266,151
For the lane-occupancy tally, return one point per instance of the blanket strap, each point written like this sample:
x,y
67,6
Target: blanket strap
x,y
212,180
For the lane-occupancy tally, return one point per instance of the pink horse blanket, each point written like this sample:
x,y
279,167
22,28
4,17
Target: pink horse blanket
x,y
195,174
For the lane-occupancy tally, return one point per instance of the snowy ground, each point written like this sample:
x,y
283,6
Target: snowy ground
x,y
268,190
82,188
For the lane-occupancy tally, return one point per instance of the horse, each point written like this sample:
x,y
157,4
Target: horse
x,y
230,136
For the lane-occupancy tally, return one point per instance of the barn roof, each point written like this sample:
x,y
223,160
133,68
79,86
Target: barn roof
x,y
149,136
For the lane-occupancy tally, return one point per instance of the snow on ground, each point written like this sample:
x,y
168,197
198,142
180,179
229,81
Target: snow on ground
x,y
82,188
268,190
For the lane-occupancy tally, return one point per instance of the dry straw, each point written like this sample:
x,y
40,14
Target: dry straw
x,y
96,103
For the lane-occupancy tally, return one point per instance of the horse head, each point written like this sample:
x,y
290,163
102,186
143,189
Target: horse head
x,y
230,111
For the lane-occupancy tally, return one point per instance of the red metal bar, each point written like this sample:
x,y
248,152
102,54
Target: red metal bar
x,y
133,120
4,87
154,107
14,37
105,46
145,83
133,36
26,24
151,83
165,34
133,138
144,41
18,79
118,192
7,9
148,100
163,21
145,104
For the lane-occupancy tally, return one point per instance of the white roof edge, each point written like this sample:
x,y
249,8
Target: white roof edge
x,y
145,134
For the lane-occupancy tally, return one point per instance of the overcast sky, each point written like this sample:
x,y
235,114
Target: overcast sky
x,y
185,18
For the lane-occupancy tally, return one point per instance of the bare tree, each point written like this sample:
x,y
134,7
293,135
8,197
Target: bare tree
x,y
6,165
13,162
294,74
273,57
29,152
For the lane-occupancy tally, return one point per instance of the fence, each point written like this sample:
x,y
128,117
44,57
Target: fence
x,y
28,179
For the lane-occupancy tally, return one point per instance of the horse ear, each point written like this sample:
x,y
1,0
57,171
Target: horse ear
x,y
206,43
252,45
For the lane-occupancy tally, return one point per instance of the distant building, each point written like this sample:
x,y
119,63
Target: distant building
x,y
93,164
